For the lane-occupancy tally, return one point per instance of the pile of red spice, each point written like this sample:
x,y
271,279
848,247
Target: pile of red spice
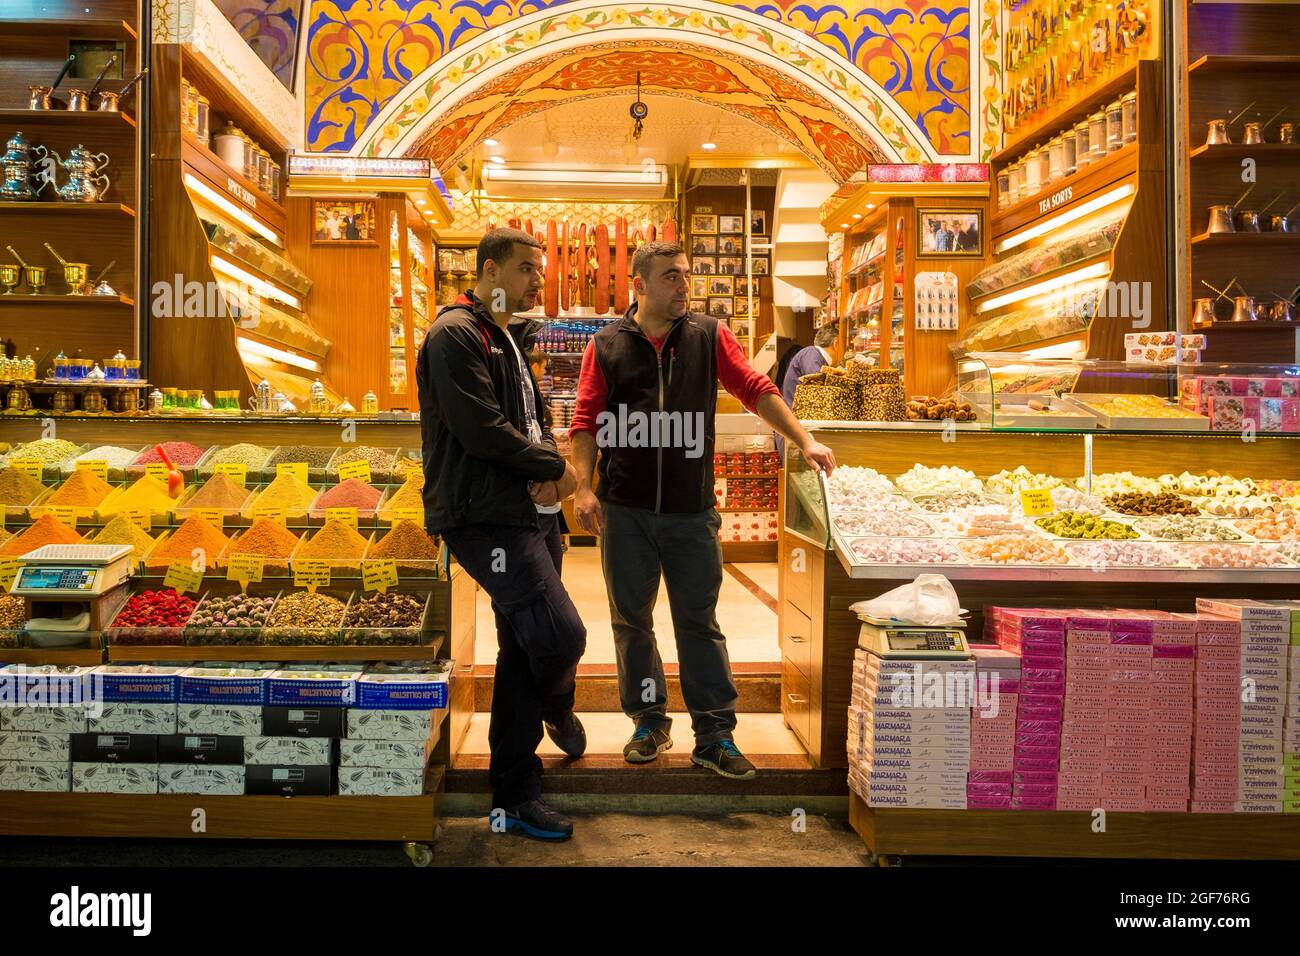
x,y
182,454
156,609
353,493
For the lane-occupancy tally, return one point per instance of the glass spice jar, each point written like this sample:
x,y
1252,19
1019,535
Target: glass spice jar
x,y
1056,160
1004,184
1068,162
1129,120
202,118
1033,179
1097,134
1015,181
1082,149
1114,126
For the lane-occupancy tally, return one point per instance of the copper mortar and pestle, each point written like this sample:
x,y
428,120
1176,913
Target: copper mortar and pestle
x,y
74,273
35,274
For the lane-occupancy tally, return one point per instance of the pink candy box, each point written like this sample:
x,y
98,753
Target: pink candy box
x,y
1022,763
988,803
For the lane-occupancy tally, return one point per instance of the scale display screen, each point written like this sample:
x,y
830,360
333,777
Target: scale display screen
x,y
56,579
925,640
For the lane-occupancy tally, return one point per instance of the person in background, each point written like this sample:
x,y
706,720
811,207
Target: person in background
x,y
659,365
825,350
490,468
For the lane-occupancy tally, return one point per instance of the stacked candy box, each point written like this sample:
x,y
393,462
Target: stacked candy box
x,y
1218,717
993,729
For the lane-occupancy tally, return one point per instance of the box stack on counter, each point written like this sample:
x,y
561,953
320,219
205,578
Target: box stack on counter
x,y
1087,683
1291,728
1264,635
1171,714
1038,637
1128,717
993,729
222,729
1218,714
903,753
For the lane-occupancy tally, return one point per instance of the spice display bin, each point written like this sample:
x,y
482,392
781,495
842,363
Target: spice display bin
x,y
421,633
252,473
317,513
68,467
254,503
279,565
135,470
377,476
225,636
339,567
315,474
146,636
291,634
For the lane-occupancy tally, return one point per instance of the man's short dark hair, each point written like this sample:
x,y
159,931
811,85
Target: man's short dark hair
x,y
643,260
827,335
499,245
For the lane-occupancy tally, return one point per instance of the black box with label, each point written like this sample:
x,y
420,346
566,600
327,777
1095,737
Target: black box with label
x,y
114,748
200,748
303,721
288,781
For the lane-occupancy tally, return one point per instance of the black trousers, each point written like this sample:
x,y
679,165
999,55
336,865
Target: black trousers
x,y
540,640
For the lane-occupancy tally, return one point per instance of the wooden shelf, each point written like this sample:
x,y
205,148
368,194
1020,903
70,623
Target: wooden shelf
x,y
79,301
68,208
1084,182
87,27
74,656
1265,326
1246,240
1216,63
273,652
1240,151
68,117
1070,114
263,198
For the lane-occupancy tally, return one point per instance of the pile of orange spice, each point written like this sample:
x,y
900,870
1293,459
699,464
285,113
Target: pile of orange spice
x,y
196,532
83,489
268,538
337,541
47,529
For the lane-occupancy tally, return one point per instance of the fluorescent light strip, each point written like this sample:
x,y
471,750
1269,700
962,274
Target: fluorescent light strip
x,y
249,347
575,177
1094,271
1078,212
263,288
1064,350
218,201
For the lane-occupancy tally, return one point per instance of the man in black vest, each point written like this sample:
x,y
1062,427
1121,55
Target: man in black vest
x,y
492,479
647,395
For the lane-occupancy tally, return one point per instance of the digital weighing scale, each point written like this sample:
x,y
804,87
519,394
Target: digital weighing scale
x,y
72,572
900,641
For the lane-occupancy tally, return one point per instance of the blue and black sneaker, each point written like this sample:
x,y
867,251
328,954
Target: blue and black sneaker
x,y
725,758
541,822
646,744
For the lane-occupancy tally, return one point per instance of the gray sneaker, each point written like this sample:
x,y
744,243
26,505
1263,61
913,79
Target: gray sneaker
x,y
568,735
646,744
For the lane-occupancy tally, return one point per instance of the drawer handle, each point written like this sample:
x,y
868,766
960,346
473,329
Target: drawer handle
x,y
796,640
796,699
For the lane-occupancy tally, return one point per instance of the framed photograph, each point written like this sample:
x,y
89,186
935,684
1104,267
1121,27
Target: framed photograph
x,y
721,285
699,286
720,306
698,305
704,265
731,265
731,225
742,285
760,265
705,224
741,306
731,245
704,245
343,221
756,241
949,233
757,223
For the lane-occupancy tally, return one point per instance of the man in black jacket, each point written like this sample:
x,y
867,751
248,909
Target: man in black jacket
x,y
489,468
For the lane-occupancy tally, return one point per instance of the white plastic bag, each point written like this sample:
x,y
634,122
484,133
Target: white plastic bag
x,y
929,600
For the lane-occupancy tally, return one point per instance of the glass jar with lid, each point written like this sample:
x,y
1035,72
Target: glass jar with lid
x,y
1114,126
250,158
1033,173
229,145
1082,147
275,181
1097,135
1056,160
1004,183
202,119
1015,181
1129,120
1068,161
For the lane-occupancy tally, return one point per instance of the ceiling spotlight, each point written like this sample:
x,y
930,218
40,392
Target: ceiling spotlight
x,y
489,142
497,159
857,215
844,225
708,145
871,205
422,202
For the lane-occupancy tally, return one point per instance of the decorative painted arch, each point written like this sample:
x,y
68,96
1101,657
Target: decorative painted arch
x,y
867,114
787,109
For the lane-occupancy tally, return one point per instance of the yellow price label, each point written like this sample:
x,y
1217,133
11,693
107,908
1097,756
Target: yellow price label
x,y
68,514
347,515
355,469
1037,501
235,471
182,577
214,515
157,470
245,568
8,571
379,575
298,469
405,514
311,574
275,514
98,468
32,467
142,518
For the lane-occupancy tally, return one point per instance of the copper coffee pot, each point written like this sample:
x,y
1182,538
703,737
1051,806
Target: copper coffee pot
x,y
79,100
43,98
110,102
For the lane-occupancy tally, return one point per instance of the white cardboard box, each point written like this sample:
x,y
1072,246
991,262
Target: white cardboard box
x,y
232,720
135,719
114,778
31,776
221,780
368,781
289,751
40,748
385,754
414,725
43,720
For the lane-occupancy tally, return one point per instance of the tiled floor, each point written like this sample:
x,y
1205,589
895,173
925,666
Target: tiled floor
x,y
748,622
606,734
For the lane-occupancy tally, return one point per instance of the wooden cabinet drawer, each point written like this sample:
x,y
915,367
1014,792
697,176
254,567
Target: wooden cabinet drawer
x,y
796,639
797,573
796,700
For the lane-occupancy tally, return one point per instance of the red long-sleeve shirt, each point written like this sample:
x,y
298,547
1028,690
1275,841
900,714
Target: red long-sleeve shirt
x,y
735,374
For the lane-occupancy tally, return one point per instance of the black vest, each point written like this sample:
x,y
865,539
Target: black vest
x,y
656,436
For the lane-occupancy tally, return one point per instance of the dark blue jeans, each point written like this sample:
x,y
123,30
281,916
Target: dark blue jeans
x,y
540,640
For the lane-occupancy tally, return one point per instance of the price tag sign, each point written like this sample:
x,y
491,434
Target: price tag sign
x,y
214,515
182,577
298,469
311,574
347,515
355,469
379,575
98,468
32,467
245,568
157,470
68,514
141,518
1037,502
8,572
406,514
275,514
236,472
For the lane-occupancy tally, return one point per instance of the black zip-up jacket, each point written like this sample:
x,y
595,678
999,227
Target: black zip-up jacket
x,y
679,380
477,456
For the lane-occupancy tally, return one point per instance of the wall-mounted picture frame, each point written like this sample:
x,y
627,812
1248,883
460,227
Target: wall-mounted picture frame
x,y
703,224
699,286
741,307
704,245
731,245
698,305
756,241
760,267
704,265
757,222
720,306
731,265
742,285
721,285
343,222
731,225
949,233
